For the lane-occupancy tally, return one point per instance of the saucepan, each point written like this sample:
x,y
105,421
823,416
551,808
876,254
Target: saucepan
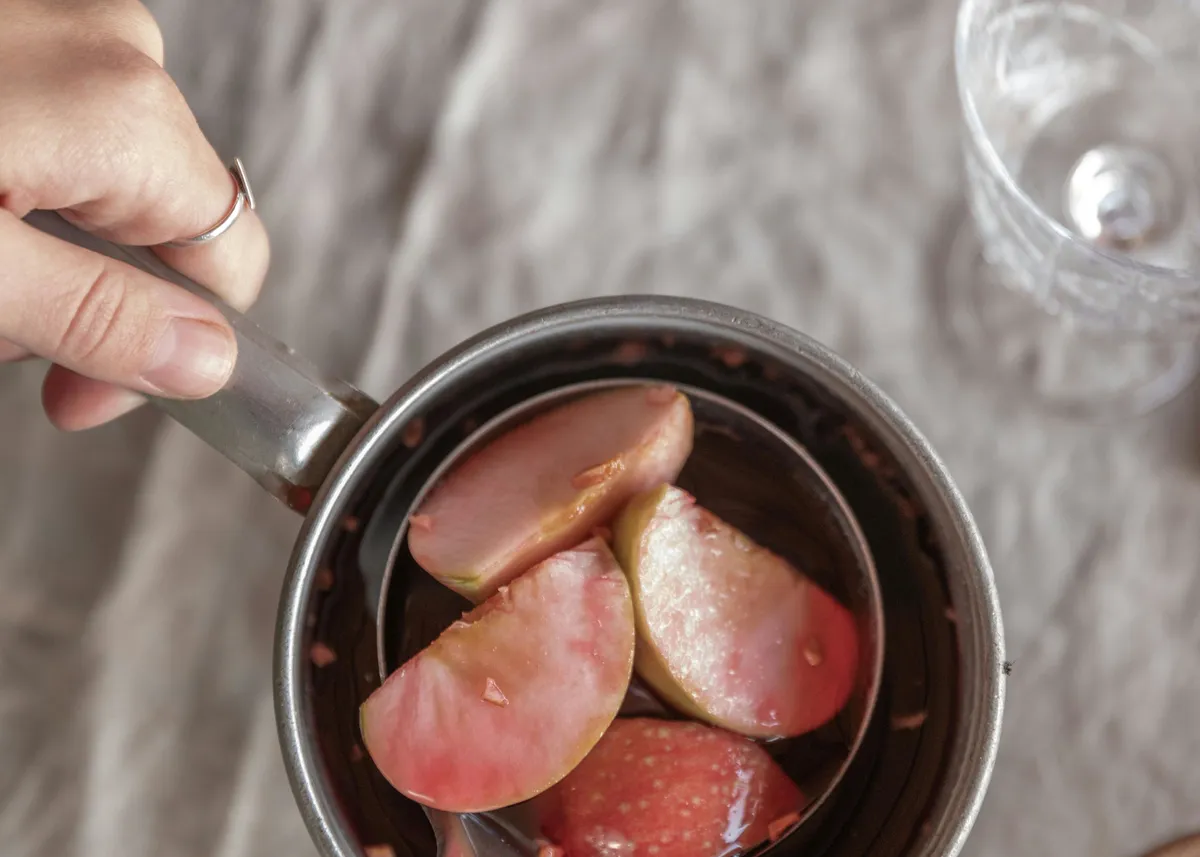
x,y
926,737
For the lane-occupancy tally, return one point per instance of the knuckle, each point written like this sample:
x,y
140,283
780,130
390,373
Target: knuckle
x,y
99,324
127,21
142,86
83,24
139,103
134,23
119,81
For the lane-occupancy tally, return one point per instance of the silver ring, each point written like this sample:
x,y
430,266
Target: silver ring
x,y
243,199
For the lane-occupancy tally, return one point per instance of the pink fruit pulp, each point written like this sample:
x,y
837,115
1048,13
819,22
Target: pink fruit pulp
x,y
729,631
507,701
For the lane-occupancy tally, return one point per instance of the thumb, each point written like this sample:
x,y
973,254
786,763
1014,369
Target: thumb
x,y
107,320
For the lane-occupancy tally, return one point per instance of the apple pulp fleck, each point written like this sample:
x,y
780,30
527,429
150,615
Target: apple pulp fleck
x,y
730,356
493,694
630,352
299,498
777,828
322,655
413,433
597,474
910,721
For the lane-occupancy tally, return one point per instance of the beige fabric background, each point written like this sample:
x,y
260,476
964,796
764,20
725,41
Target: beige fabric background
x,y
430,167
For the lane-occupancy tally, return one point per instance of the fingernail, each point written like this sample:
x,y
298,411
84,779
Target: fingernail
x,y
194,359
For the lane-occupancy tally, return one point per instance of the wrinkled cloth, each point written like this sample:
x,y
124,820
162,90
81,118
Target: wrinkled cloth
x,y
428,168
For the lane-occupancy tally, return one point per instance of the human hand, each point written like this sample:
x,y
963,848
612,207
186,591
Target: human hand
x,y
94,128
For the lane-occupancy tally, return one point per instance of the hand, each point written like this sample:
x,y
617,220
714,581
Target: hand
x,y
94,127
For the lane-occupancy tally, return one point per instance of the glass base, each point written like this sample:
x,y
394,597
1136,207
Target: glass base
x,y
1080,374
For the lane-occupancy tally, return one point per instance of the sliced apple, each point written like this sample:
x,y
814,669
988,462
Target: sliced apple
x,y
546,484
670,789
728,631
510,698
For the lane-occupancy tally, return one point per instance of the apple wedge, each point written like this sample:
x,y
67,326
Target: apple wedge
x,y
547,484
669,789
728,631
510,698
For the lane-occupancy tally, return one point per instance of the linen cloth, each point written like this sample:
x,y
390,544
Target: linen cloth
x,y
428,168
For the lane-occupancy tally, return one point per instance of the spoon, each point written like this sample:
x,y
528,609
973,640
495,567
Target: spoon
x,y
745,470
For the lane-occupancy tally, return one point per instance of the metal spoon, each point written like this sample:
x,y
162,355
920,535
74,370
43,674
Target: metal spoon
x,y
744,469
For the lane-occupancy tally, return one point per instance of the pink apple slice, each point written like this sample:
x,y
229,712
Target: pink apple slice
x,y
509,699
669,789
728,631
546,484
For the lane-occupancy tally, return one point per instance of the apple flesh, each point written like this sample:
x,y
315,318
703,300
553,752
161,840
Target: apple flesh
x,y
547,484
728,631
510,698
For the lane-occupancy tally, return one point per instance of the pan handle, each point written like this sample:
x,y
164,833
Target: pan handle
x,y
279,418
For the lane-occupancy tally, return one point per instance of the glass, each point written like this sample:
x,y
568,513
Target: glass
x,y
1077,280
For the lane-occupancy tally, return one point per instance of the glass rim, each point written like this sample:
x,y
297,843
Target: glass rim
x,y
968,12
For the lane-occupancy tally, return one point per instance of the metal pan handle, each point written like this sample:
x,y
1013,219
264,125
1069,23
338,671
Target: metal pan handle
x,y
279,418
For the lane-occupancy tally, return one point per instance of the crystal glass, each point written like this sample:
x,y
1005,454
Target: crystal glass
x,y
1078,278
